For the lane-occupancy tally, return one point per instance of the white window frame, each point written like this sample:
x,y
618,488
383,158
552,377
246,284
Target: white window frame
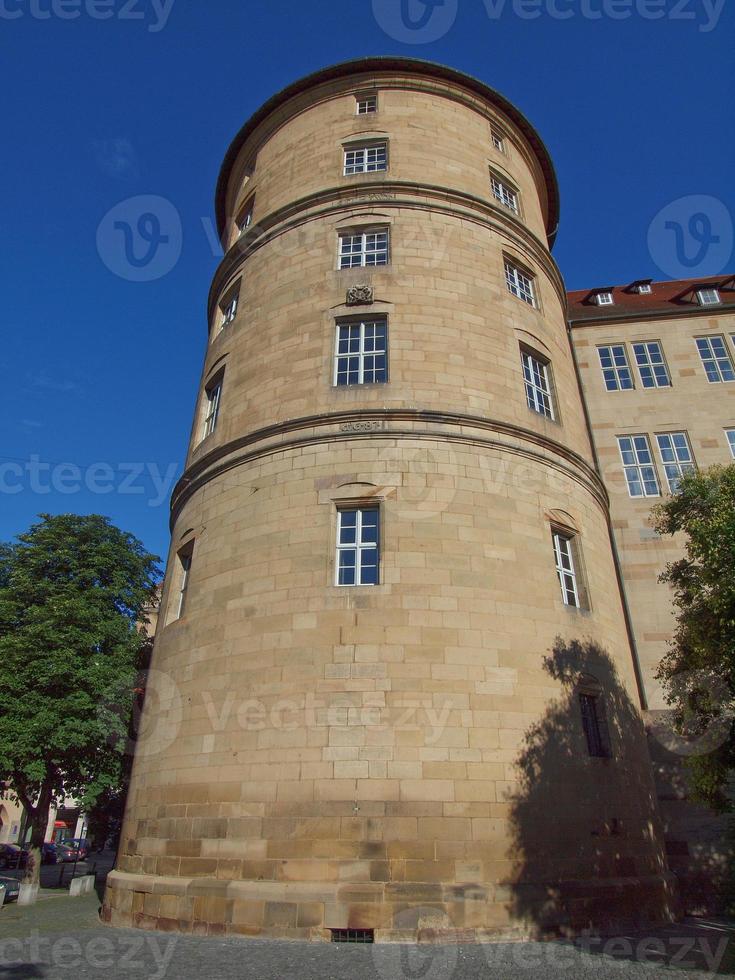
x,y
644,352
504,193
715,360
615,372
497,139
228,306
636,468
565,567
730,436
644,288
246,217
675,452
604,299
537,382
367,239
212,400
709,296
373,159
521,284
366,104
362,353
358,546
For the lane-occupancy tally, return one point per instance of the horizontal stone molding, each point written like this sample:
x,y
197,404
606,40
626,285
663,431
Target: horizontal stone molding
x,y
381,424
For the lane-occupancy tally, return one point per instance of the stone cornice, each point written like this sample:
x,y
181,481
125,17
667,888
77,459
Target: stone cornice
x,y
384,194
372,424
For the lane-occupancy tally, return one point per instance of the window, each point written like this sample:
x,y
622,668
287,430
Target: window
x,y
640,473
604,299
715,359
708,297
497,140
615,368
212,394
730,433
676,456
361,355
643,287
519,283
228,306
246,217
366,159
363,248
503,193
358,548
366,104
181,581
564,557
651,365
538,384
594,724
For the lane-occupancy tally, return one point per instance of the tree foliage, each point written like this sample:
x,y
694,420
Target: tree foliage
x,y
698,672
73,593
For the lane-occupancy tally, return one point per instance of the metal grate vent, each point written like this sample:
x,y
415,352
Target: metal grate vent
x,y
353,935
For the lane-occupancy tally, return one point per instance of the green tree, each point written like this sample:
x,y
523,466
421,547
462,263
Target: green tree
x,y
73,594
698,672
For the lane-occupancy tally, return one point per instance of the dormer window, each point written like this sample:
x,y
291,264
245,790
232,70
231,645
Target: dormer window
x,y
643,288
708,297
604,299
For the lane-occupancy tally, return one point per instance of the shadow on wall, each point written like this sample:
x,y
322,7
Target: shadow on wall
x,y
587,845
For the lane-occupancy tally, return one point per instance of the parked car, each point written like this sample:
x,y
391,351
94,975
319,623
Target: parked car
x,y
12,888
80,844
58,853
13,856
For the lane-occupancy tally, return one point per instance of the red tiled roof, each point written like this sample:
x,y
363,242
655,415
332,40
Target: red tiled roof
x,y
673,297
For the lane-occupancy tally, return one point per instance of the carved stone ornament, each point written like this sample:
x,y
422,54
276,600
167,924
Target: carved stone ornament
x,y
357,295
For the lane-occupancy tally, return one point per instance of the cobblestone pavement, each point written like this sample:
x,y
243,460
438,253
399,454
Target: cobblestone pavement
x,y
60,938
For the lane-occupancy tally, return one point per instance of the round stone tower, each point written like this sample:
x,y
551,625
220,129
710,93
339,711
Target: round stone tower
x,y
392,688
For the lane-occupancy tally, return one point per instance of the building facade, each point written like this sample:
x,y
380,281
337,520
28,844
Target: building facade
x,y
399,688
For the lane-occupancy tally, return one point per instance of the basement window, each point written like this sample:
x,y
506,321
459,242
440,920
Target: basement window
x,y
353,935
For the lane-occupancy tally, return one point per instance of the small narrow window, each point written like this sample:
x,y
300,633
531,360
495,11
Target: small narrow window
x,y
519,283
708,297
363,248
212,396
180,584
358,546
497,140
246,217
730,433
715,359
640,473
366,159
537,379
615,367
504,193
676,456
604,299
366,104
565,569
228,306
651,365
361,355
594,724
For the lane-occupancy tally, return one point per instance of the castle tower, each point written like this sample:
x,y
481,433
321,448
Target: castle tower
x,y
393,685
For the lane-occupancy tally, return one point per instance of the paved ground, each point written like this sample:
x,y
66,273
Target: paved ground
x,y
60,938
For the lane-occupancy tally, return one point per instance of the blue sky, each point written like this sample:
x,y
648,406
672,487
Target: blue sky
x,y
100,371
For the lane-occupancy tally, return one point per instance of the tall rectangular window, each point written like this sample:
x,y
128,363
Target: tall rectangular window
x,y
564,557
536,376
212,395
366,159
615,367
358,546
228,305
360,249
366,104
503,193
361,355
497,140
594,725
519,283
730,433
651,364
246,217
676,456
640,473
715,359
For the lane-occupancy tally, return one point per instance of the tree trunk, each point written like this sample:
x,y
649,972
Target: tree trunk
x,y
38,817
